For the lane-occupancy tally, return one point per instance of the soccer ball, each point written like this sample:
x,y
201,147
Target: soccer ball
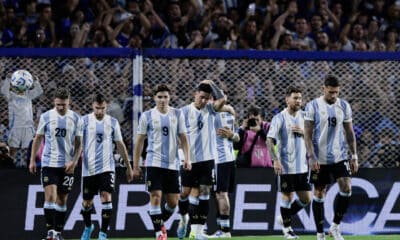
x,y
21,80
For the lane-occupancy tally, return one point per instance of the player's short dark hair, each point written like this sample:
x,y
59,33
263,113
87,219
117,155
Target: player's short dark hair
x,y
293,89
99,98
204,87
161,88
62,93
331,81
255,110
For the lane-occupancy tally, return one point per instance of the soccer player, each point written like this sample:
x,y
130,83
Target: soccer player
x,y
61,130
199,119
225,170
290,163
328,126
100,130
164,126
20,117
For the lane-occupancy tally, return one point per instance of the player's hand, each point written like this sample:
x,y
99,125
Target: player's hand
x,y
70,167
354,165
314,164
187,165
137,172
297,129
32,167
225,132
277,167
129,174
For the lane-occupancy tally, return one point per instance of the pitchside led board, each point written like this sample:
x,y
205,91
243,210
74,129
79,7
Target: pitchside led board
x,y
374,209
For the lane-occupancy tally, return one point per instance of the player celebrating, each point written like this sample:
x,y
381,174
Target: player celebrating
x,y
290,164
100,130
199,119
163,126
328,125
61,129
20,112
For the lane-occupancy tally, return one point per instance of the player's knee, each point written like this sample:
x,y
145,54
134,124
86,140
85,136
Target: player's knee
x,y
87,204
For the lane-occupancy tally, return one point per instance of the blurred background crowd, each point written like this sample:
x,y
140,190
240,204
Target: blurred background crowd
x,y
362,25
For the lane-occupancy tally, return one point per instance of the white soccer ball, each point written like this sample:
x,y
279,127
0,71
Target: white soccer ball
x,y
21,80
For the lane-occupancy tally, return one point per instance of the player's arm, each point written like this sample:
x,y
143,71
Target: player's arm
x,y
121,148
70,166
35,147
271,149
308,135
351,141
187,165
37,89
137,172
229,109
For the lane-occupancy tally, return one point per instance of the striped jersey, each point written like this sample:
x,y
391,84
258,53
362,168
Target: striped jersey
x,y
162,132
291,146
98,138
328,136
20,106
201,132
224,145
59,132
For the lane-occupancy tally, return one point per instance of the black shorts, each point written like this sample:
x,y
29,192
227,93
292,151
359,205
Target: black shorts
x,y
163,179
102,182
201,174
330,173
225,177
293,182
57,176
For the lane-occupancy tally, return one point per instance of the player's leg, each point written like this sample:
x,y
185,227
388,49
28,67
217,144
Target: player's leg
x,y
171,190
341,173
64,187
49,181
205,183
14,143
187,181
303,191
26,138
106,190
225,178
318,209
89,189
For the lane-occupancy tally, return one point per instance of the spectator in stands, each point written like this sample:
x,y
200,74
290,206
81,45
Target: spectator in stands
x,y
254,126
386,152
44,29
392,39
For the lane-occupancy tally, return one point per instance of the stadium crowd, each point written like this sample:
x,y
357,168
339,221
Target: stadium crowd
x,y
362,25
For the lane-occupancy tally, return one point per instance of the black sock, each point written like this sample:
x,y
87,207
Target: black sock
x,y
225,224
295,207
286,217
341,204
106,213
61,211
193,214
167,212
319,215
156,217
183,206
49,214
203,210
87,215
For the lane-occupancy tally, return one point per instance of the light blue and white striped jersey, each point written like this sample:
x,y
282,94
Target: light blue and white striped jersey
x,y
20,106
201,132
98,138
328,139
291,146
224,146
59,132
162,132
